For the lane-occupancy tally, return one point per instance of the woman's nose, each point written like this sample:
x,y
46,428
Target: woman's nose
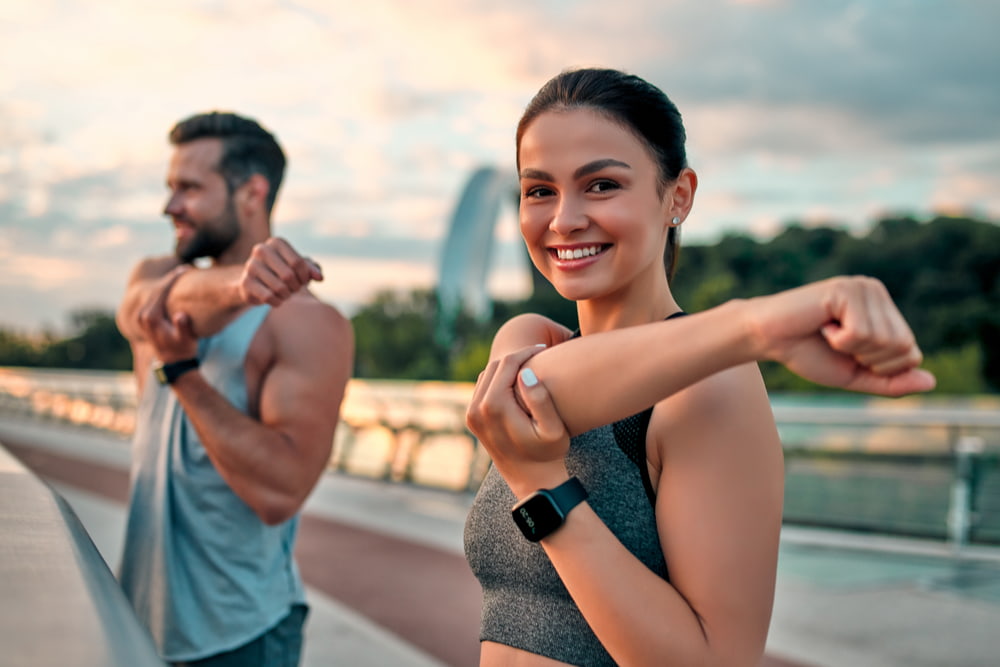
x,y
569,216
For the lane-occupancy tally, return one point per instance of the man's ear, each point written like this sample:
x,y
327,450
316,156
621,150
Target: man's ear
x,y
255,190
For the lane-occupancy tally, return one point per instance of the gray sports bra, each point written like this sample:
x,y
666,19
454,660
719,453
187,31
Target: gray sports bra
x,y
525,603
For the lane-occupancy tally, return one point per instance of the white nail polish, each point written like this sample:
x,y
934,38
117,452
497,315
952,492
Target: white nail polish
x,y
528,377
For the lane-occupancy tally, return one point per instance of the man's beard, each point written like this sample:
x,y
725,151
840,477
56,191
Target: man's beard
x,y
211,239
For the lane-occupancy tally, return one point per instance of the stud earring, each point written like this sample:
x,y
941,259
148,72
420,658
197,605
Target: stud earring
x,y
676,220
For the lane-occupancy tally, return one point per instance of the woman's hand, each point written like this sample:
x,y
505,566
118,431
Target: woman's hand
x,y
842,332
513,416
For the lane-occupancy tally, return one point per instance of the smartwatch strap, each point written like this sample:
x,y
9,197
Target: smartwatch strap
x,y
167,373
568,495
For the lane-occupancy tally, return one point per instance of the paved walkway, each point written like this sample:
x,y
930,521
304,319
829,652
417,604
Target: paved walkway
x,y
388,583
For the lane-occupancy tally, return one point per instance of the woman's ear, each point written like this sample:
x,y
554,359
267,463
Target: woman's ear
x,y
681,196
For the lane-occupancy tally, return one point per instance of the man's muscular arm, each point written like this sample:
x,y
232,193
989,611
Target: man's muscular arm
x,y
271,458
146,277
273,461
213,296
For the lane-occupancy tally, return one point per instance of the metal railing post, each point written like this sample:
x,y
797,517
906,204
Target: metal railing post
x,y
960,516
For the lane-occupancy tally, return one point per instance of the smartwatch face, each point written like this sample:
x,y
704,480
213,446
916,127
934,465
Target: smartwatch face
x,y
537,516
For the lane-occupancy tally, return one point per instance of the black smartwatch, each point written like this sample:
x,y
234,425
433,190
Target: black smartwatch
x,y
541,513
168,373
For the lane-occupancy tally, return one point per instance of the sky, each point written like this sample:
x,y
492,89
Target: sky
x,y
817,112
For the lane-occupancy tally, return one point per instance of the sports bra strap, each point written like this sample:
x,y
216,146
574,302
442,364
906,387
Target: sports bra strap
x,y
630,435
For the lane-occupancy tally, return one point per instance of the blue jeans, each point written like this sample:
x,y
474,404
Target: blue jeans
x,y
281,646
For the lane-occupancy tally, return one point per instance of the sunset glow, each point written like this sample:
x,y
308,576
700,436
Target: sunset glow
x,y
795,111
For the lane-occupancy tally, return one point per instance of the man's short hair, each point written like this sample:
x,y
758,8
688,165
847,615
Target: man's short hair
x,y
247,148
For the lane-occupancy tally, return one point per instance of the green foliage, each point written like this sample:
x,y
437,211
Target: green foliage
x,y
467,365
714,291
988,333
394,338
958,371
740,267
94,343
17,350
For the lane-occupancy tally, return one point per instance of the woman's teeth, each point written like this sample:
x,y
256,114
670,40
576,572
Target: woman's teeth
x,y
577,253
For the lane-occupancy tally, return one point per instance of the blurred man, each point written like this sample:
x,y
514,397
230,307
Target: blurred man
x,y
240,373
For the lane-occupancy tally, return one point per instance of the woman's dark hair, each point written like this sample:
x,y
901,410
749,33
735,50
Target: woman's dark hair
x,y
633,103
247,148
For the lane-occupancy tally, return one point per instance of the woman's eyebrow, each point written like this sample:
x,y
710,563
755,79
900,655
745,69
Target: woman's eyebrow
x,y
589,168
597,165
535,174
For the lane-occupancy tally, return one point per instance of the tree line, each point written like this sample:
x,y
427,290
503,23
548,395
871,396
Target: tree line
x,y
944,273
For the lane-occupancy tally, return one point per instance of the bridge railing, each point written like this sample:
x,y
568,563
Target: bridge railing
x,y
397,431
913,466
911,469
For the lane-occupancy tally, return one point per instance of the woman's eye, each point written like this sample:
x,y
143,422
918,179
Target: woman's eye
x,y
537,192
603,186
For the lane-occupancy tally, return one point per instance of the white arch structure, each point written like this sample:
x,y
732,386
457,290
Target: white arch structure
x,y
468,250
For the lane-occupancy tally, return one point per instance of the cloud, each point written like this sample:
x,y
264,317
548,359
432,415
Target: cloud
x,y
45,272
956,187
384,108
906,71
367,277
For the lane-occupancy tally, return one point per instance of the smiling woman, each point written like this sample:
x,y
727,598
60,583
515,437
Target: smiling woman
x,y
573,185
633,509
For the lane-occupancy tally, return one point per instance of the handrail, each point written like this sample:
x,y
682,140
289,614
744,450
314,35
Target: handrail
x,y
878,416
59,602
388,427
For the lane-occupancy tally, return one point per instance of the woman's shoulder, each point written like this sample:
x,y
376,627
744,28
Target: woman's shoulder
x,y
727,401
719,391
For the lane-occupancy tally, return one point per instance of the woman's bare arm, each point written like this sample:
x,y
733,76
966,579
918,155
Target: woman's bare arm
x,y
842,332
718,513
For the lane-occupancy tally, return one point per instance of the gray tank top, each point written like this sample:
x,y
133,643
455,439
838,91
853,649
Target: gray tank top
x,y
525,603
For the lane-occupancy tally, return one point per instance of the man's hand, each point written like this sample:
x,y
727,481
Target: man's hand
x,y
274,272
172,339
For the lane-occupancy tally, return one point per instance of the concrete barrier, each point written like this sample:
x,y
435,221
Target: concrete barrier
x,y
59,603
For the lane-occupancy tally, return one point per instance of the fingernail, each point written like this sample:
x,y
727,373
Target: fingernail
x,y
541,345
528,377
